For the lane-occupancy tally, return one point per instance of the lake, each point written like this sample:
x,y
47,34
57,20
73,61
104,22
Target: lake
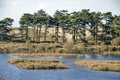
x,y
10,72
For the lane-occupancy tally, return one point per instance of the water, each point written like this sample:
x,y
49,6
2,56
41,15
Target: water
x,y
10,72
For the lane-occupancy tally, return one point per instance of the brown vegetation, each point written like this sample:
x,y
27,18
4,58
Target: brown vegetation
x,y
50,48
37,64
100,65
104,50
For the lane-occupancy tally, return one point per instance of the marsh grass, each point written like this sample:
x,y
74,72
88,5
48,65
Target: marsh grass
x,y
37,64
100,65
65,55
29,47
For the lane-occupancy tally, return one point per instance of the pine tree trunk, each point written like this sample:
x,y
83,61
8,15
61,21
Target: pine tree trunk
x,y
45,33
56,34
74,37
84,34
37,34
96,36
63,35
33,34
26,34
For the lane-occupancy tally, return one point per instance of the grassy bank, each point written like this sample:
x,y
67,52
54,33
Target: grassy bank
x,y
70,48
37,64
100,65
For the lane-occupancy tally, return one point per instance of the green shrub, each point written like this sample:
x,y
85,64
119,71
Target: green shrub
x,y
75,50
60,50
103,48
116,41
90,38
81,47
68,47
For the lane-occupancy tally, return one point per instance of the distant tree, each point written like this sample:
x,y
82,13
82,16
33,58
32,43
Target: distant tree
x,y
40,19
84,19
116,26
26,21
62,18
79,21
54,23
107,27
74,25
5,28
95,23
47,25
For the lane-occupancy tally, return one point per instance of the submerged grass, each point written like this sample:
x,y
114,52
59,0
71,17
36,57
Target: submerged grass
x,y
37,64
100,65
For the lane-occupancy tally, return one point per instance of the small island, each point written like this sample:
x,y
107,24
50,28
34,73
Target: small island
x,y
98,65
35,64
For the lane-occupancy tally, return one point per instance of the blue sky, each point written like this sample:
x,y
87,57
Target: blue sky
x,y
15,8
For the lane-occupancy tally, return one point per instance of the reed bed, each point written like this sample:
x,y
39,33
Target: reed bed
x,y
37,64
100,65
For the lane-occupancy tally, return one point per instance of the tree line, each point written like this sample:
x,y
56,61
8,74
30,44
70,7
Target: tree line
x,y
5,28
103,27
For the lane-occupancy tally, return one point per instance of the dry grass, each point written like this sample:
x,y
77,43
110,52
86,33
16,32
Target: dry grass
x,y
100,65
50,54
37,64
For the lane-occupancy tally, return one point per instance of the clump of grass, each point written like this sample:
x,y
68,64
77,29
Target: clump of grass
x,y
37,64
100,65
